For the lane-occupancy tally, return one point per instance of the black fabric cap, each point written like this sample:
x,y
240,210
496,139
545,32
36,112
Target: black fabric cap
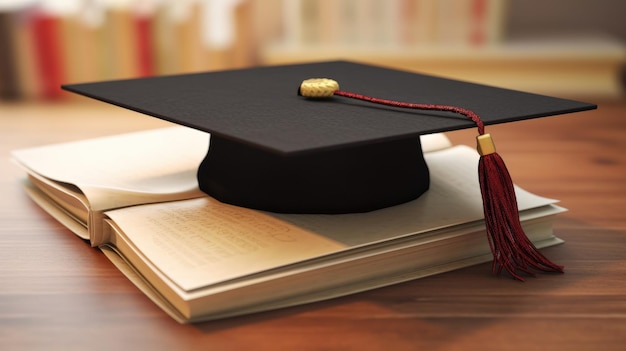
x,y
274,150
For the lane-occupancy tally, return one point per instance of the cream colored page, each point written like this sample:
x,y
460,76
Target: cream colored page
x,y
453,198
124,169
434,142
201,242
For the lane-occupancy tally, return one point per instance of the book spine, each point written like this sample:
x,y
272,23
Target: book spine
x,y
478,22
28,79
49,54
143,28
9,84
186,25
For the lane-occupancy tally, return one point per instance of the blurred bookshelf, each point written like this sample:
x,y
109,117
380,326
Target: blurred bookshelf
x,y
45,43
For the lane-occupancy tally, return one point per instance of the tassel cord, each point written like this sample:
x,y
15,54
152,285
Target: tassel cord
x,y
433,107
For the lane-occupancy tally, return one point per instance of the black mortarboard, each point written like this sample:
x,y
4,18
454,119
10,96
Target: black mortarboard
x,y
272,149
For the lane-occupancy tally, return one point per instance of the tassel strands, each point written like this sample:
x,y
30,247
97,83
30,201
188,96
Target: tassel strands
x,y
511,248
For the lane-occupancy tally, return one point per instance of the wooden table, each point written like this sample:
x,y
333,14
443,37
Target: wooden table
x,y
57,293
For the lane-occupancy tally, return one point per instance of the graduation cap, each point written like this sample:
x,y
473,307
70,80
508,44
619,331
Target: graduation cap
x,y
276,146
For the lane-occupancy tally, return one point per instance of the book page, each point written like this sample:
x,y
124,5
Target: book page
x,y
202,241
434,142
124,169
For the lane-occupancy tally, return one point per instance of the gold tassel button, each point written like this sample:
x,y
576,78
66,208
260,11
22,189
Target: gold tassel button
x,y
318,87
485,145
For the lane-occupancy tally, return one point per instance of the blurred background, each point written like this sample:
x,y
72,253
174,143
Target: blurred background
x,y
559,47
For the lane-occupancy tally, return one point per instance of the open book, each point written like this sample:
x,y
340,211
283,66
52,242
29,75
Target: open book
x,y
136,198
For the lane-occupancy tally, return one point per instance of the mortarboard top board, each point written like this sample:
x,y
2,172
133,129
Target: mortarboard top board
x,y
273,150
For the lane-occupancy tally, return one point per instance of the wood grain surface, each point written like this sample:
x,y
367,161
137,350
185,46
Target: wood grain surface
x,y
57,293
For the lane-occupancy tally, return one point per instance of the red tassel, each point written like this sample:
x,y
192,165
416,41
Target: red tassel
x,y
511,248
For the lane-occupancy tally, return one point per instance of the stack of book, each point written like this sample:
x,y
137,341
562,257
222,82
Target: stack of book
x,y
387,24
136,198
44,44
